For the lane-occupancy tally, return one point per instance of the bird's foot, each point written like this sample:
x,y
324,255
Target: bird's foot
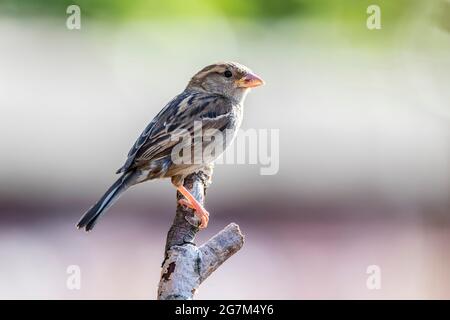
x,y
199,211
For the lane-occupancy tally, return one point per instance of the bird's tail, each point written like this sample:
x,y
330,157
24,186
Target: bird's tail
x,y
107,200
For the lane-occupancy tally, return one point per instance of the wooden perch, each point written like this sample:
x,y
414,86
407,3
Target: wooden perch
x,y
185,265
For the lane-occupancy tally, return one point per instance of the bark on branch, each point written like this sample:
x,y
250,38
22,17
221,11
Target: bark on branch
x,y
185,265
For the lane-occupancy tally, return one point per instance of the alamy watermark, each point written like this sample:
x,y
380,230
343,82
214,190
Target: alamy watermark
x,y
251,146
373,21
373,281
73,281
73,21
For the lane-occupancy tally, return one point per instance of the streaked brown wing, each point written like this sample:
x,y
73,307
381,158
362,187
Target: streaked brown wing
x,y
176,119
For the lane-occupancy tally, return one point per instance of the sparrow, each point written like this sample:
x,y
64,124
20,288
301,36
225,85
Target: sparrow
x,y
214,97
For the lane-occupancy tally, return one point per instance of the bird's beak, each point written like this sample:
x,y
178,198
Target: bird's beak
x,y
250,80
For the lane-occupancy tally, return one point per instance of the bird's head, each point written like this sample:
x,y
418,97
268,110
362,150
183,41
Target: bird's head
x,y
229,79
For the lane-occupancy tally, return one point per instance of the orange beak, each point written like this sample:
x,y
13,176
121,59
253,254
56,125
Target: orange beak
x,y
250,80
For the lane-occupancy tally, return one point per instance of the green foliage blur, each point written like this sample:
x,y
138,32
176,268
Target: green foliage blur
x,y
346,18
348,11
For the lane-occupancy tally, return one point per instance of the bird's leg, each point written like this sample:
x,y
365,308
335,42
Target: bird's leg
x,y
186,203
192,203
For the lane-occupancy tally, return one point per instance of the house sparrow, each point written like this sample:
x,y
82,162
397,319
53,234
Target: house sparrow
x,y
214,96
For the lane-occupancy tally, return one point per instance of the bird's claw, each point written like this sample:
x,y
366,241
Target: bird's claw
x,y
199,211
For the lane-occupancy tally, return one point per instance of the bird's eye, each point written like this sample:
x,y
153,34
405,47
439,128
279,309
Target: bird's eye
x,y
227,74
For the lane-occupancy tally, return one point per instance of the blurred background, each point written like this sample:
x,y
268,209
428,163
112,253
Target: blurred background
x,y
364,176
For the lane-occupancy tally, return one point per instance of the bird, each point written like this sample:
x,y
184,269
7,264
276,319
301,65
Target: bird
x,y
214,97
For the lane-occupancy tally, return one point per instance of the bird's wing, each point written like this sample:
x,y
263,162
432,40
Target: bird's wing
x,y
174,121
